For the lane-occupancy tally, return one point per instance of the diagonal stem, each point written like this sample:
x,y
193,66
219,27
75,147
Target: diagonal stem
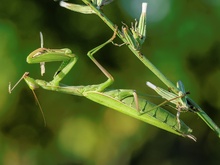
x,y
139,55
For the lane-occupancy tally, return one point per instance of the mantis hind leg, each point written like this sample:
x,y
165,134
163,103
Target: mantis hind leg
x,y
136,101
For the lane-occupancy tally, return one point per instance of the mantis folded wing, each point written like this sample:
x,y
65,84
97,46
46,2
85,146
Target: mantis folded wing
x,y
123,100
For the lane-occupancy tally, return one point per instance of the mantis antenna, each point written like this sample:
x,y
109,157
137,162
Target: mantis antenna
x,y
42,64
41,110
12,88
32,87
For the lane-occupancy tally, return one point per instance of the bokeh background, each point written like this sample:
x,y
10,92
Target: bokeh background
x,y
183,41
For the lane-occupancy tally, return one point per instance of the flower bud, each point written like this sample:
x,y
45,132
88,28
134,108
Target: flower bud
x,y
137,33
77,8
142,23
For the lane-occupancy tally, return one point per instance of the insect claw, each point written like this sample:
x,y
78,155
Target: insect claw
x,y
191,137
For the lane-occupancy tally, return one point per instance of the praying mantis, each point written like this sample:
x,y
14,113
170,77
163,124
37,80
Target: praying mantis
x,y
123,100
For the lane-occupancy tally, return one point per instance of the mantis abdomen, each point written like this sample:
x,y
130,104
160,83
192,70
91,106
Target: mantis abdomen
x,y
124,102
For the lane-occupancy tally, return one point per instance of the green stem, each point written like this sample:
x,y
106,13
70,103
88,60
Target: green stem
x,y
137,53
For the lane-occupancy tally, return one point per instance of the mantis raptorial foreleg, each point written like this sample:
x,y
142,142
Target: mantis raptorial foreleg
x,y
50,55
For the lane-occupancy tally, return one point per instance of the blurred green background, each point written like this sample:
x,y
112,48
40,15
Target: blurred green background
x,y
183,42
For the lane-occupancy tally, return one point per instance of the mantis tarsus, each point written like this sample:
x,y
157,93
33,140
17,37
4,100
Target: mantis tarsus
x,y
123,100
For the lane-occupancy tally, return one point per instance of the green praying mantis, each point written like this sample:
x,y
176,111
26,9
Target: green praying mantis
x,y
134,38
123,100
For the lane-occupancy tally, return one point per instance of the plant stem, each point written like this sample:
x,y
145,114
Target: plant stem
x,y
137,53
